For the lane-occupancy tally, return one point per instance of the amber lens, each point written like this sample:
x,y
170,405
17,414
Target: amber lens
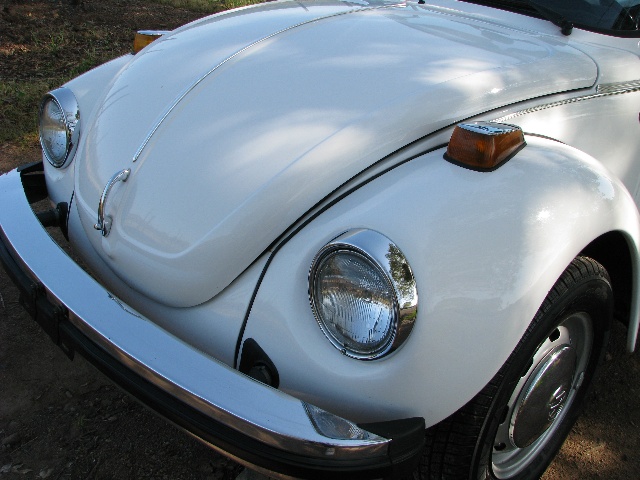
x,y
484,145
146,37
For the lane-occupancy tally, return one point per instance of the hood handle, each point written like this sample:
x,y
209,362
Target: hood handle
x,y
104,221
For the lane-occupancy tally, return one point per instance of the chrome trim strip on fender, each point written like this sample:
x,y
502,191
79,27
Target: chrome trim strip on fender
x,y
603,90
208,386
616,88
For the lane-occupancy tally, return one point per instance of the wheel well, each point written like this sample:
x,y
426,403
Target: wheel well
x,y
612,251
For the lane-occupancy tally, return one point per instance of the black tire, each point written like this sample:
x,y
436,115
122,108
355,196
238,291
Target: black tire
x,y
515,426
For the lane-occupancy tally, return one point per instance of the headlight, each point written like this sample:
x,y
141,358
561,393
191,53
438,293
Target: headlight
x,y
59,129
363,294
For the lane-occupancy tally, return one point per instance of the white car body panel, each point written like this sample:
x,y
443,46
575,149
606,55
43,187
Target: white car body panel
x,y
573,123
326,131
214,325
478,291
583,119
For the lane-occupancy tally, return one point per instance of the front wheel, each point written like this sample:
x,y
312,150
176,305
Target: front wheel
x,y
514,427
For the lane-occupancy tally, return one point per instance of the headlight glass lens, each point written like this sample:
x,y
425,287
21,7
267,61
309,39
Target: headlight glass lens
x,y
355,301
363,294
59,131
53,132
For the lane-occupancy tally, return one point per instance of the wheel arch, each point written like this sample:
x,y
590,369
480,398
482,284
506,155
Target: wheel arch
x,y
616,252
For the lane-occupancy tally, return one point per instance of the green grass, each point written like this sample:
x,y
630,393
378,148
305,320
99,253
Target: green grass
x,y
20,95
68,52
19,103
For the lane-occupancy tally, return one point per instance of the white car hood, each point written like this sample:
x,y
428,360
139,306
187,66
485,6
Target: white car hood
x,y
234,126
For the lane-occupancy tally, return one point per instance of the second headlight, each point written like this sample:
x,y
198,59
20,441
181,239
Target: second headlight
x,y
59,129
363,294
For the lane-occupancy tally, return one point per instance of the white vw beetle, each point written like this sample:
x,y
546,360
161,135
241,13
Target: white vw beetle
x,y
318,230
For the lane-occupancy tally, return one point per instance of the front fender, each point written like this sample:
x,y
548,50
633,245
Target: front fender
x,y
485,249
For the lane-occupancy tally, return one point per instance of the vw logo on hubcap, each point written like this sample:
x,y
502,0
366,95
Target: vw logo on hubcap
x,y
557,402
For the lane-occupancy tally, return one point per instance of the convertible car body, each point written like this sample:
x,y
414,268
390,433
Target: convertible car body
x,y
357,239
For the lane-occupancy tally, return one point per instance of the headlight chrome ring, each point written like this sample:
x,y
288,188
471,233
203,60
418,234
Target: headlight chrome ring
x,y
363,294
59,126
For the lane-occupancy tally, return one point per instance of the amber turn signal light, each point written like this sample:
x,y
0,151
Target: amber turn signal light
x,y
484,146
145,37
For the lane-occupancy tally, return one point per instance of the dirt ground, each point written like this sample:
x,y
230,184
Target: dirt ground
x,y
62,419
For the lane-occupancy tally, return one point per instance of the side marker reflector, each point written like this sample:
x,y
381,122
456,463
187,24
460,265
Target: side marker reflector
x,y
484,146
145,37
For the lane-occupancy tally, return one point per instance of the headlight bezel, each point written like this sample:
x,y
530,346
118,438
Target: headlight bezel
x,y
65,101
385,257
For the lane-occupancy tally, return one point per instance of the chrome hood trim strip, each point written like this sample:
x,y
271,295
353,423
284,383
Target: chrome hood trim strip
x,y
602,90
187,90
616,88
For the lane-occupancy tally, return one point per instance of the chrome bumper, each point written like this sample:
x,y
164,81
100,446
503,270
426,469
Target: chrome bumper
x,y
255,424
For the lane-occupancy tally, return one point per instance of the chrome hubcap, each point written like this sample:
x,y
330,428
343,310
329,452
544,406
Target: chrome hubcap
x,y
543,395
